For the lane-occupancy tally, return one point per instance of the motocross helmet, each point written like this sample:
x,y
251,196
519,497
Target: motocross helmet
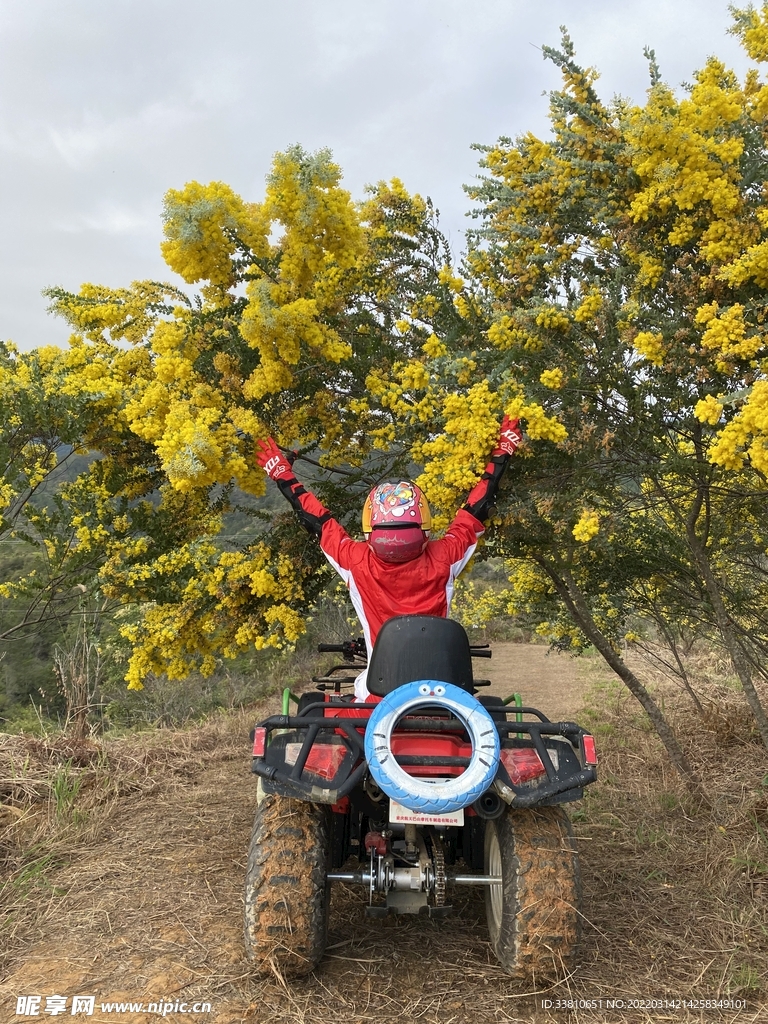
x,y
396,521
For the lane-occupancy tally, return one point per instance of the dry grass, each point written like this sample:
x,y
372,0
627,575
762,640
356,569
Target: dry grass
x,y
676,895
58,795
124,863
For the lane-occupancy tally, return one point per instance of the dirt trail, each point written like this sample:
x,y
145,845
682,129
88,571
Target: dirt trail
x,y
150,910
549,682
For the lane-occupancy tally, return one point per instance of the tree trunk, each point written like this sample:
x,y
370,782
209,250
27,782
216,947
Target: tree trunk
x,y
579,611
698,548
738,658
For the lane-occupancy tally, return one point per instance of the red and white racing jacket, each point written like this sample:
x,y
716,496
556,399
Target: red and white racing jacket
x,y
380,590
422,586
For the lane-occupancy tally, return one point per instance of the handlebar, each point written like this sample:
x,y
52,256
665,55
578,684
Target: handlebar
x,y
350,649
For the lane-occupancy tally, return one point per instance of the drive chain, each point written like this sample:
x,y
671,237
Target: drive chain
x,y
438,856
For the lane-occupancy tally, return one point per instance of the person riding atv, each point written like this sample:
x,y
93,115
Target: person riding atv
x,y
397,569
419,786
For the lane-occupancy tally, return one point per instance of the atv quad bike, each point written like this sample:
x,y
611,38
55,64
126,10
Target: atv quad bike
x,y
421,789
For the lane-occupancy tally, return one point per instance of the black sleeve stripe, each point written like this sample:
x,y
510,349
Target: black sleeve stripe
x,y
482,509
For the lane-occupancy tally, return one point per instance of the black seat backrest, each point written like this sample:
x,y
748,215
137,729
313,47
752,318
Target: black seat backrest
x,y
411,647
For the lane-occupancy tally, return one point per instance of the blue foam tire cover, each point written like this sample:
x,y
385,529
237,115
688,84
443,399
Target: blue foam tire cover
x,y
418,794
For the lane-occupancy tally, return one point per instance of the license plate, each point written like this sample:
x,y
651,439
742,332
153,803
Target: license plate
x,y
399,815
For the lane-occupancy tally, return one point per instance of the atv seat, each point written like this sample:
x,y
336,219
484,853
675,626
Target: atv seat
x,y
412,647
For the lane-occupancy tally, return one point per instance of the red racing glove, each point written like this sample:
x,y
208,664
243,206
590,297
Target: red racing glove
x,y
510,436
279,467
481,498
276,464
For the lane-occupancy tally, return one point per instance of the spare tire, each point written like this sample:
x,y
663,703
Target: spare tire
x,y
418,794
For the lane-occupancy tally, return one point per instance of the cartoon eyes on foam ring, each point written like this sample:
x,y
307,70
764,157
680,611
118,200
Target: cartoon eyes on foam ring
x,y
424,689
439,691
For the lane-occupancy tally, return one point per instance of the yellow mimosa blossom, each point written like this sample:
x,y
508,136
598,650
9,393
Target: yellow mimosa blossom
x,y
553,378
708,410
587,527
650,345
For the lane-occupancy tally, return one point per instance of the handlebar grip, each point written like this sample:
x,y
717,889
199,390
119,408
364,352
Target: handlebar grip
x,y
482,653
330,648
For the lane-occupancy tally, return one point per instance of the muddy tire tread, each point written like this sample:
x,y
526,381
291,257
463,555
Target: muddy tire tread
x,y
540,927
286,892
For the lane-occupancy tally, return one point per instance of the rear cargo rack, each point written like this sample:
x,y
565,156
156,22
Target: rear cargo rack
x,y
303,731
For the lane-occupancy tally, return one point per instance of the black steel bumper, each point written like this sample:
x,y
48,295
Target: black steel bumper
x,y
566,774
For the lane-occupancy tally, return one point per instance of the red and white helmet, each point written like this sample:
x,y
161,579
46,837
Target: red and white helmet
x,y
397,521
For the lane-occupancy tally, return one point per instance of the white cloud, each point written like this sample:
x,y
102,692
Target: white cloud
x,y
96,137
104,106
111,219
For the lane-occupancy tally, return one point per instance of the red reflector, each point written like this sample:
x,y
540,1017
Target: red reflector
x,y
590,754
259,741
324,759
522,764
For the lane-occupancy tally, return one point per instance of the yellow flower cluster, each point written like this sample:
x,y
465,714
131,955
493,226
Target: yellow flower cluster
x,y
553,318
562,633
463,306
751,265
650,345
505,334
752,27
398,392
530,587
726,334
447,277
310,261
590,306
587,527
746,435
231,601
686,154
553,378
425,306
392,209
202,223
474,607
650,268
455,458
433,347
708,410
538,425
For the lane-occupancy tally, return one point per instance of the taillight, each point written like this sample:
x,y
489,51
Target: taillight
x,y
325,759
590,754
259,741
522,764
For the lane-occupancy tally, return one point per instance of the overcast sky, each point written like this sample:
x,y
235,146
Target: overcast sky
x,y
105,104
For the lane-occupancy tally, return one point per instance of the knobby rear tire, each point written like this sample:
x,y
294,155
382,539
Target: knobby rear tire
x,y
286,888
534,916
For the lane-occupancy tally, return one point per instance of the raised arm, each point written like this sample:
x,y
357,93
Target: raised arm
x,y
482,497
279,467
